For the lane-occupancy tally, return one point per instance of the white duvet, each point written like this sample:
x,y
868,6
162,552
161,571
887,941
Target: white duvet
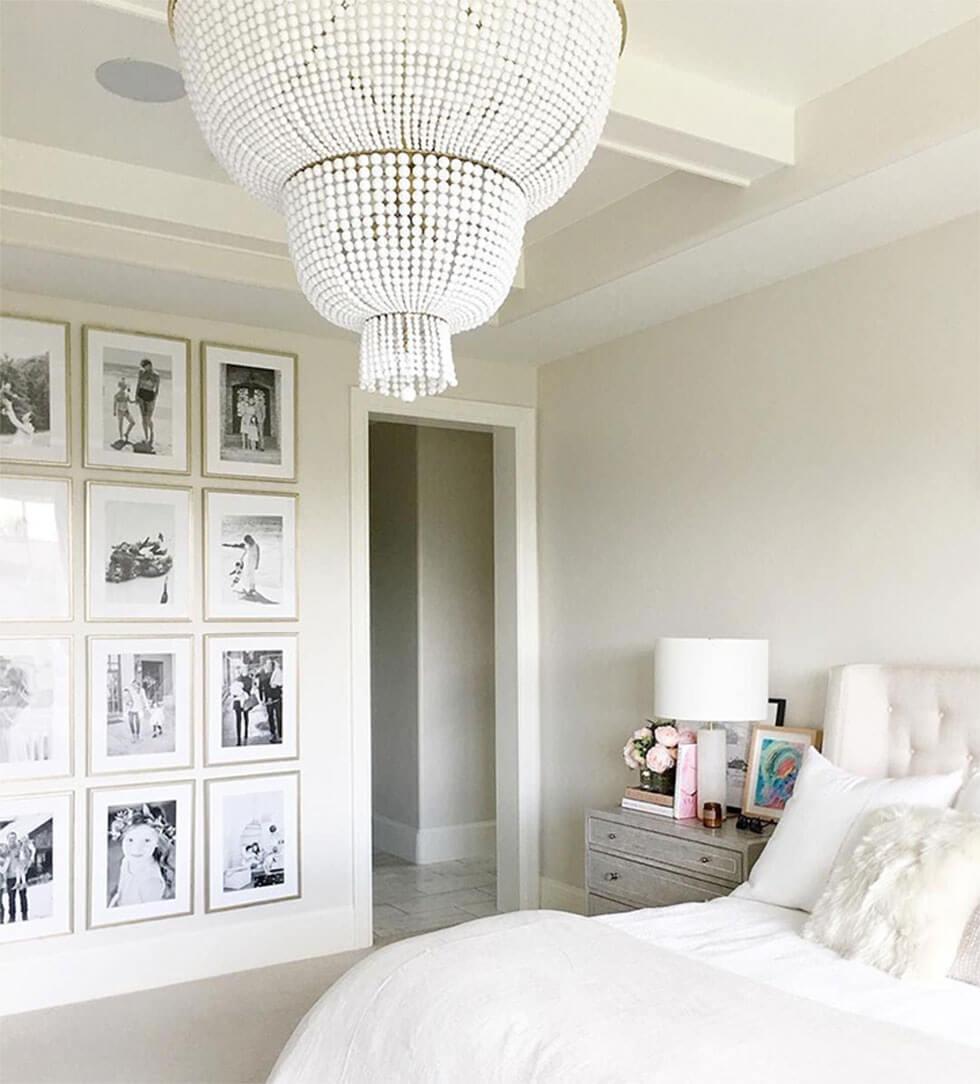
x,y
542,997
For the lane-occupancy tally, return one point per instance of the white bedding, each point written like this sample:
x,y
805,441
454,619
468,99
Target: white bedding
x,y
763,943
548,998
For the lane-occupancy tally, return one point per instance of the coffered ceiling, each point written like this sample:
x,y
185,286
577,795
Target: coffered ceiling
x,y
749,139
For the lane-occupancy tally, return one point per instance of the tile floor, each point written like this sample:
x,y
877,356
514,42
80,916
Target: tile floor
x,y
417,899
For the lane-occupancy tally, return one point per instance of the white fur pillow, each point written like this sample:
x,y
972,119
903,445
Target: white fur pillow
x,y
901,898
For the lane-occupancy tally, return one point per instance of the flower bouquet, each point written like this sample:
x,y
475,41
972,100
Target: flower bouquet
x,y
653,750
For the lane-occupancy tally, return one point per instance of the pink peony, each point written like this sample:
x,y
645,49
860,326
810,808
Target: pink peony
x,y
643,734
666,735
659,759
687,737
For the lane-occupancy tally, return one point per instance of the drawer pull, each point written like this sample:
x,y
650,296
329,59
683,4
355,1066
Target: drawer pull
x,y
612,876
705,860
612,835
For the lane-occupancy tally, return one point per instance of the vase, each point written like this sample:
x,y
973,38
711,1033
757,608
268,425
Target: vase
x,y
658,782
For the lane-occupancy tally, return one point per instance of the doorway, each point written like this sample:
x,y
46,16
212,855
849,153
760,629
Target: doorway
x,y
515,743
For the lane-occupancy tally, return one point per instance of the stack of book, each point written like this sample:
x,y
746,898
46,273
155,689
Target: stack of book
x,y
647,801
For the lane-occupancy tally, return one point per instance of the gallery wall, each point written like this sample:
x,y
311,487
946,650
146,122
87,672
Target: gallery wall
x,y
93,963
801,464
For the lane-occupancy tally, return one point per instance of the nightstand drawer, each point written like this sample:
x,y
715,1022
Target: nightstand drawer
x,y
646,886
599,905
711,862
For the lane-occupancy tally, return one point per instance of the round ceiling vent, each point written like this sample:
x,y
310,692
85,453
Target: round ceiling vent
x,y
140,80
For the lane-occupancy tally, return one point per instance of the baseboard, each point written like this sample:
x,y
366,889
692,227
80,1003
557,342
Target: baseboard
x,y
54,977
424,846
558,896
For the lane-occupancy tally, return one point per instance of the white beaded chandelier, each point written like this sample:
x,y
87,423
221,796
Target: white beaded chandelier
x,y
408,143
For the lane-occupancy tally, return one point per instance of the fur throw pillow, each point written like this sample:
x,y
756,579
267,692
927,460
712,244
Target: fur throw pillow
x,y
900,900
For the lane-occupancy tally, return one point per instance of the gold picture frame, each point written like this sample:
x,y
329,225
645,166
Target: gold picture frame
x,y
93,484
34,461
780,765
210,389
141,463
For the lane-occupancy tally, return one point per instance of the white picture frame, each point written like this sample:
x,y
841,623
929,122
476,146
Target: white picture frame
x,y
239,669
140,704
136,399
36,697
35,549
35,390
45,822
249,407
126,579
136,871
253,836
250,556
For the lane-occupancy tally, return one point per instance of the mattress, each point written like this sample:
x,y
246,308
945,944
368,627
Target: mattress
x,y
763,943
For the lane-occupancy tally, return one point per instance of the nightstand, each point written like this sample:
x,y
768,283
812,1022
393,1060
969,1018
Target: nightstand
x,y
641,860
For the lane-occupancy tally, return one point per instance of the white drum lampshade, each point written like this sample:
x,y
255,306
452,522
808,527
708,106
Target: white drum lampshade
x,y
708,681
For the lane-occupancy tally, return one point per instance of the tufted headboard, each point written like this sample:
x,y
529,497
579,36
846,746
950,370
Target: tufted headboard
x,y
903,720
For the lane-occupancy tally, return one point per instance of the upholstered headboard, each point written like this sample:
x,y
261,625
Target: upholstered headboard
x,y
903,720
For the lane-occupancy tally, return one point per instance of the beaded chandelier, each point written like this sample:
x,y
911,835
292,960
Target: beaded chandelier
x,y
408,143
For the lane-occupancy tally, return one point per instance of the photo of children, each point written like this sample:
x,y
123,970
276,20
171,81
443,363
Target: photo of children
x,y
140,705
141,862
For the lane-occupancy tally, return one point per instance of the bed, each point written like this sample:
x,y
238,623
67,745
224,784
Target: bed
x,y
721,991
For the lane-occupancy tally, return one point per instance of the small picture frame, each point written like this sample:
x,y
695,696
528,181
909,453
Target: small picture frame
x,y
35,390
36,840
250,556
137,400
138,552
249,413
140,703
253,841
775,757
737,752
35,549
35,707
141,853
251,696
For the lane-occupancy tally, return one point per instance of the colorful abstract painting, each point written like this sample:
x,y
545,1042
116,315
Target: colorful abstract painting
x,y
779,765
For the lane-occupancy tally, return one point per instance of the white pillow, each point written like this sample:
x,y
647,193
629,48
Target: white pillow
x,y
822,818
901,899
969,799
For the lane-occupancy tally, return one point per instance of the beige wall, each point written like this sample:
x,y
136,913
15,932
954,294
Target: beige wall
x,y
802,464
91,964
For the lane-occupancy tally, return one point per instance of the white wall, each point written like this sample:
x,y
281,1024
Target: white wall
x,y
99,963
432,650
802,464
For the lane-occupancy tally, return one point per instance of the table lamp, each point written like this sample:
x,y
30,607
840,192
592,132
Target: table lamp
x,y
711,681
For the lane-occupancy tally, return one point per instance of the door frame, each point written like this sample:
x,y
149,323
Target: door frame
x,y
516,639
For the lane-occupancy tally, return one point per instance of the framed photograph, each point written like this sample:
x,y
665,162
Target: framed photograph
x,y
249,413
738,735
137,400
250,556
139,552
252,697
141,853
35,707
35,549
140,703
775,756
253,840
35,855
35,391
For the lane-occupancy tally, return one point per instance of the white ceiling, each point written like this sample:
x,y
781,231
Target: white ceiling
x,y
788,50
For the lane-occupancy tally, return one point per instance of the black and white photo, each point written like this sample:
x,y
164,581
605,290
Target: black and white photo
x,y
35,866
35,707
141,853
140,703
139,552
253,840
250,555
34,391
249,413
252,698
136,400
738,736
35,549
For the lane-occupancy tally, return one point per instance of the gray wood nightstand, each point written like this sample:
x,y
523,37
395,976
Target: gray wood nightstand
x,y
641,860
